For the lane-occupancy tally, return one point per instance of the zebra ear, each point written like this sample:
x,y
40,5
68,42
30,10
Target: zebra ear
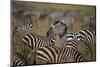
x,y
63,21
52,25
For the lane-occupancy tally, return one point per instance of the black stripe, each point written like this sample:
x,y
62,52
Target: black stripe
x,y
83,34
64,54
30,39
74,44
39,54
41,59
40,41
89,34
71,45
70,37
51,41
80,37
26,39
35,41
51,52
77,55
46,52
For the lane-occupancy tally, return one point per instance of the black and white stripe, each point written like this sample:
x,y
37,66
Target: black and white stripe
x,y
85,38
17,59
70,54
36,41
67,37
53,54
47,54
23,27
84,35
89,37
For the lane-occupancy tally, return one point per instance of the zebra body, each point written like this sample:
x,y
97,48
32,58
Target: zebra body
x,y
17,59
69,54
84,35
84,41
36,41
47,54
89,37
53,54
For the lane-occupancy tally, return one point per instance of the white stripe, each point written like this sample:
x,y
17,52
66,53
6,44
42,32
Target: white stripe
x,y
33,40
29,40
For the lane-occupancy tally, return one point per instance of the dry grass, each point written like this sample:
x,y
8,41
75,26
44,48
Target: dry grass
x,y
43,26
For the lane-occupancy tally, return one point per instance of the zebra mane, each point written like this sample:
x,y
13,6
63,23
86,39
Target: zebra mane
x,y
65,31
49,32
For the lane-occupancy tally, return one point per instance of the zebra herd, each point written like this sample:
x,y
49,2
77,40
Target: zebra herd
x,y
45,51
32,48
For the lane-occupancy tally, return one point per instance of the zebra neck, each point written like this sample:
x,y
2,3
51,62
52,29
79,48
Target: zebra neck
x,y
51,37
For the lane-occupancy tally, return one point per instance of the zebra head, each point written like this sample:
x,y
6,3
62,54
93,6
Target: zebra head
x,y
58,27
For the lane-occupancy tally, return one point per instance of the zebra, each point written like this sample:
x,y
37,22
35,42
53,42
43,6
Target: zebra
x,y
44,55
53,54
67,37
17,45
86,35
17,59
22,29
85,38
18,34
69,54
89,37
36,41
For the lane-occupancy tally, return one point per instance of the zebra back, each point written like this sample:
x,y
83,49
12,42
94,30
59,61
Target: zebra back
x,y
35,41
72,43
69,54
45,54
53,54
89,37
